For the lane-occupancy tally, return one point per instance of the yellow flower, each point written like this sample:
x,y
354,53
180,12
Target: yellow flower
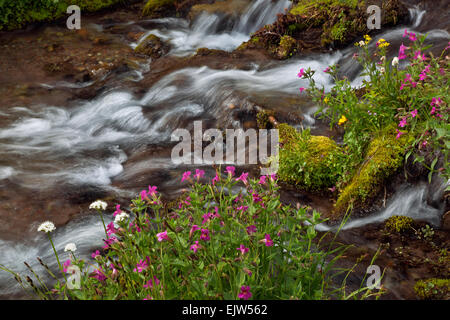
x,y
326,100
367,38
382,43
342,120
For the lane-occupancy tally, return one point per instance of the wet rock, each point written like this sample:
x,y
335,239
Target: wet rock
x,y
446,221
152,46
229,11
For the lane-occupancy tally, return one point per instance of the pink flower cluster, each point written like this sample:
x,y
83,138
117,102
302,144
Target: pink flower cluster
x,y
411,35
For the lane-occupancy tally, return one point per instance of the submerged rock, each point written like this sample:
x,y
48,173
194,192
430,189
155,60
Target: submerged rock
x,y
152,46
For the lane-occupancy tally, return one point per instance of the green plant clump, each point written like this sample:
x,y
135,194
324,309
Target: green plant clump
x,y
398,224
311,162
435,289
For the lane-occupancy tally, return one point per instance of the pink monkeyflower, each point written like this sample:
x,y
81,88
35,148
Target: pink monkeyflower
x,y
301,73
186,176
206,217
412,36
242,208
256,198
141,266
302,89
99,275
152,190
215,179
417,55
195,247
193,229
152,283
424,143
148,298
327,69
66,264
216,212
399,134
143,194
267,240
414,113
199,174
403,122
109,242
230,170
436,102
245,293
110,229
118,211
205,235
95,254
273,177
401,52
405,34
243,177
433,110
413,84
422,76
162,236
262,180
251,229
242,249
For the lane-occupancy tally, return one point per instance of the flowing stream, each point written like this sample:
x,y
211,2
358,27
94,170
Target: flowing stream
x,y
97,147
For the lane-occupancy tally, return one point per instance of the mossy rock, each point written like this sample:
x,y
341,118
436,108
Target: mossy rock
x,y
307,161
287,47
157,8
433,289
399,224
263,119
383,158
152,46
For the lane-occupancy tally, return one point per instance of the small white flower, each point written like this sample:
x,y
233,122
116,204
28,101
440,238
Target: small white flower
x,y
383,58
362,43
98,205
70,247
395,61
121,217
47,227
382,70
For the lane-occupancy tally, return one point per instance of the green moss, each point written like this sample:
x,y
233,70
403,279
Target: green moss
x,y
383,158
17,14
263,119
398,224
433,289
154,7
308,161
305,6
286,47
